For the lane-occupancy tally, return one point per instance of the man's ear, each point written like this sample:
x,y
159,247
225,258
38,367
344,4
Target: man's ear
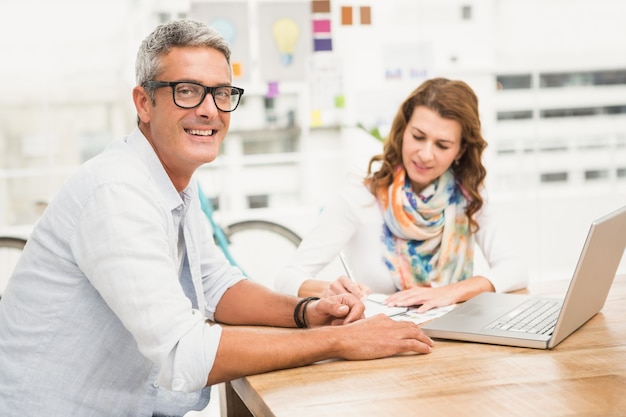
x,y
143,103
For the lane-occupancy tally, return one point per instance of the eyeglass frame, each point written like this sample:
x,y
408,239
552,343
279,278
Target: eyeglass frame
x,y
206,90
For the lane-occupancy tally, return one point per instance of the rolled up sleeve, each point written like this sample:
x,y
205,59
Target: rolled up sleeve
x,y
125,244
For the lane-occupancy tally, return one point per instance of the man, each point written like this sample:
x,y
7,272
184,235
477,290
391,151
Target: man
x,y
106,314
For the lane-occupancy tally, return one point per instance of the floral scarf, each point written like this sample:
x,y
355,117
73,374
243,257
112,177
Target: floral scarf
x,y
426,237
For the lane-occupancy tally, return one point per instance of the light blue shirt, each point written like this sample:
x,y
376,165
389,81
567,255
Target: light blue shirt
x,y
95,320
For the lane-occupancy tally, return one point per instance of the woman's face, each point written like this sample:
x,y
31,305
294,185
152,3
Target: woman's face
x,y
430,145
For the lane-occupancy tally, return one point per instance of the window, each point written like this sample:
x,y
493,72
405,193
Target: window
x,y
615,109
258,201
506,148
506,151
563,80
596,174
592,143
589,78
511,82
609,77
277,141
554,147
583,111
515,115
552,177
576,112
163,17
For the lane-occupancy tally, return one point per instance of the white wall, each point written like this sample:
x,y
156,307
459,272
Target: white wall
x,y
72,49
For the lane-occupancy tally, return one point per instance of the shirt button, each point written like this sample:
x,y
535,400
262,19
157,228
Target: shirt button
x,y
155,384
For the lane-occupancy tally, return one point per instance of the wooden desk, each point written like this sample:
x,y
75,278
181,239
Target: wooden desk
x,y
585,375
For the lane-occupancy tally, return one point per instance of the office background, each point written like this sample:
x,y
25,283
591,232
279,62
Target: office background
x,y
550,76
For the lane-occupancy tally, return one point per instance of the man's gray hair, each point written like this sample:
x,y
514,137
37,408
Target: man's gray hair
x,y
172,34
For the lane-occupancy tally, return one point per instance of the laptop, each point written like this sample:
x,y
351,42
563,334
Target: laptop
x,y
502,318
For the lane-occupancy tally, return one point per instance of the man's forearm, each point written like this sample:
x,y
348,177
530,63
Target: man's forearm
x,y
252,350
250,303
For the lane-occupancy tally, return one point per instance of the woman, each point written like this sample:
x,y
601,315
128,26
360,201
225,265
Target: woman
x,y
410,227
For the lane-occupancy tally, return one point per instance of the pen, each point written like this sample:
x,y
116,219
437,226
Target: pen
x,y
346,267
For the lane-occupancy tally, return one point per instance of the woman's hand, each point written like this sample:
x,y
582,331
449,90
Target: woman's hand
x,y
343,285
425,297
431,297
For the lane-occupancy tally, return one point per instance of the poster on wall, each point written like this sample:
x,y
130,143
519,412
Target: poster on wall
x,y
230,19
407,61
284,40
326,90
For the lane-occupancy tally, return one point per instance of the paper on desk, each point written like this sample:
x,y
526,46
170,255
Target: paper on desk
x,y
419,318
373,306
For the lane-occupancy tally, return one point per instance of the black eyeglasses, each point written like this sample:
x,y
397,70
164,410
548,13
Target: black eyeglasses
x,y
188,95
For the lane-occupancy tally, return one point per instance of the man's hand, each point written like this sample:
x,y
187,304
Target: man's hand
x,y
380,336
336,310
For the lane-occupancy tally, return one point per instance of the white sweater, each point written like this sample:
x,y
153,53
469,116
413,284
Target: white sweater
x,y
352,222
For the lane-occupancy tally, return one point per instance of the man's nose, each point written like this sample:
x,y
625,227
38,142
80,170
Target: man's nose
x,y
207,107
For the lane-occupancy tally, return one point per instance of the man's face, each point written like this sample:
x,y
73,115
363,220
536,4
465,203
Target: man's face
x,y
185,139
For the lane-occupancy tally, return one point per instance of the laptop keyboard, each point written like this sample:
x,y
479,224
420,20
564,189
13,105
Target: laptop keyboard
x,y
533,316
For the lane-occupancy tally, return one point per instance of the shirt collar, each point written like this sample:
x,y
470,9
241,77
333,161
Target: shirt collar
x,y
140,144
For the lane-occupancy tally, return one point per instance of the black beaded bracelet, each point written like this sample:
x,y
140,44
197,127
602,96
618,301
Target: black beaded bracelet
x,y
300,310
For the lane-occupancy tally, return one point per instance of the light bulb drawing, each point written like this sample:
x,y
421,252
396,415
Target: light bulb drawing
x,y
285,32
224,27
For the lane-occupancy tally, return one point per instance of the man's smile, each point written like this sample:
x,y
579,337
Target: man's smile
x,y
197,132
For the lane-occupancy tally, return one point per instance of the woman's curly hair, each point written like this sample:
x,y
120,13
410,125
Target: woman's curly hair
x,y
450,99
